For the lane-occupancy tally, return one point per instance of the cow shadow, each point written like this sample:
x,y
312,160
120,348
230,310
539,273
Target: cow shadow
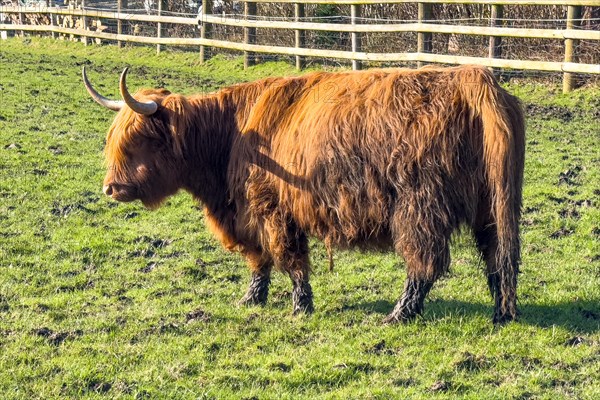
x,y
582,316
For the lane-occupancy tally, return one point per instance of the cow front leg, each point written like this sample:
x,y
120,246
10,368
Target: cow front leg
x,y
426,259
302,296
258,290
411,302
289,248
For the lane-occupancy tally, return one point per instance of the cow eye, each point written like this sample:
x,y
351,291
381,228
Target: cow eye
x,y
155,144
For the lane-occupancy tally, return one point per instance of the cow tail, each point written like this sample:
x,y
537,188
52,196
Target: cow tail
x,y
503,155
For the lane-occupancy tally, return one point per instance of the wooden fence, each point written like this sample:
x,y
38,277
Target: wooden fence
x,y
424,26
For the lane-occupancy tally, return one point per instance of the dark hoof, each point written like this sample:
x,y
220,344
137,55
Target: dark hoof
x,y
503,319
303,309
398,318
302,299
252,300
257,293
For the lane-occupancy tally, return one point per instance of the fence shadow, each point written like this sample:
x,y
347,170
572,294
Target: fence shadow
x,y
581,316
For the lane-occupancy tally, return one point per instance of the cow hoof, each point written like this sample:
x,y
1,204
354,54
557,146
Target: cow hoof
x,y
303,309
251,299
302,299
502,319
399,317
257,292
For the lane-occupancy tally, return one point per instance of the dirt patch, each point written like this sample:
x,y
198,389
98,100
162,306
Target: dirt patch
x,y
40,172
404,382
569,176
63,211
589,314
154,242
575,341
56,150
153,245
557,200
440,386
562,232
197,315
546,112
149,267
569,213
56,338
283,367
100,387
131,215
378,348
471,362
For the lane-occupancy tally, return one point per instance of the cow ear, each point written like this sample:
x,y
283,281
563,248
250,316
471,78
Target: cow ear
x,y
178,118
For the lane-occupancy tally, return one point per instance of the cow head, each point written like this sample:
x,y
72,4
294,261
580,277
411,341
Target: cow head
x,y
141,146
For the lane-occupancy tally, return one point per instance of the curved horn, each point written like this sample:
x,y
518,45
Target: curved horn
x,y
146,108
103,101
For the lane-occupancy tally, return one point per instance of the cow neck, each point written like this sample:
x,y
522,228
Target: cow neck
x,y
208,140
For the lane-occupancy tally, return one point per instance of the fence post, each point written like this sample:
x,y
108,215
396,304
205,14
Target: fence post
x,y
355,37
205,27
300,36
160,27
120,5
573,21
424,44
52,18
21,21
495,50
249,33
84,38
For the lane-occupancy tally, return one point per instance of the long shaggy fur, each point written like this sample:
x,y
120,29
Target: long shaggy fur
x,y
390,159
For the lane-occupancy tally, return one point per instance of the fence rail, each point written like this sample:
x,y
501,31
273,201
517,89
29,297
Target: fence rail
x,y
425,26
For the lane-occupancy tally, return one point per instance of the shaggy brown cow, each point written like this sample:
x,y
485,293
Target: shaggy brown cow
x,y
389,159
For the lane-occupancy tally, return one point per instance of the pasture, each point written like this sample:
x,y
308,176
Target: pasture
x,y
107,300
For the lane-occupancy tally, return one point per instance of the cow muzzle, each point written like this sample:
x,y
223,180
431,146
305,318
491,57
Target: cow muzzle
x,y
120,192
108,190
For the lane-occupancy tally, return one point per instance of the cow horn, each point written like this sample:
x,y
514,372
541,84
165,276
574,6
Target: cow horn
x,y
103,101
145,108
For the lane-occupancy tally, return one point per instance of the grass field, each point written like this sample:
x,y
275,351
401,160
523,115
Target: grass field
x,y
107,300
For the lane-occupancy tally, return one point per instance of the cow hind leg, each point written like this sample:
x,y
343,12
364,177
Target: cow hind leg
x,y
288,246
294,261
502,282
425,263
258,290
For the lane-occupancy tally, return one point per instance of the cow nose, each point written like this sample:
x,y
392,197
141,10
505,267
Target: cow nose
x,y
108,190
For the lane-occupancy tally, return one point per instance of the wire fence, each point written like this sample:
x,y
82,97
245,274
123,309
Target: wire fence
x,y
261,28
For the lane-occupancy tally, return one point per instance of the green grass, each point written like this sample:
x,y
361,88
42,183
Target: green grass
x,y
106,300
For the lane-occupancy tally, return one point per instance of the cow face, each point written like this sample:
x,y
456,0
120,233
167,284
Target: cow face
x,y
140,148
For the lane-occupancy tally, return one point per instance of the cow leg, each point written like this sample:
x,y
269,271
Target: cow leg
x,y
294,261
424,265
302,296
258,290
288,246
502,283
411,302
